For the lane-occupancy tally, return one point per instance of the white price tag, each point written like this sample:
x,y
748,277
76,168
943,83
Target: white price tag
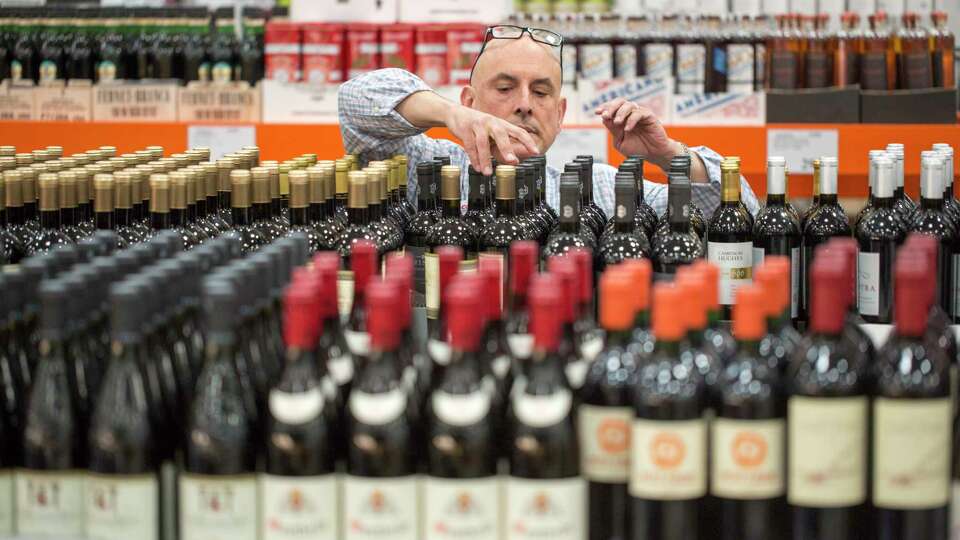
x,y
801,146
221,139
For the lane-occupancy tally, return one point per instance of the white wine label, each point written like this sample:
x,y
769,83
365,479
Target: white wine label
x,y
576,372
218,507
439,351
50,503
543,410
500,366
794,282
955,511
826,475
605,443
357,342
461,409
868,283
378,409
380,508
521,345
740,67
296,408
6,502
911,470
538,509
691,68
735,261
456,508
658,60
596,62
591,346
431,276
498,259
122,507
668,459
295,507
344,292
748,458
341,369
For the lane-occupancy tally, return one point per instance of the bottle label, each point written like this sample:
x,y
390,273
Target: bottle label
x,y
295,408
121,507
818,69
576,372
748,458
218,507
668,459
344,293
794,282
439,351
919,72
419,280
691,68
955,511
740,66
735,261
6,502
357,342
497,258
542,410
783,70
911,470
605,443
50,503
380,508
377,409
500,366
461,409
431,272
538,509
658,60
458,508
521,345
625,61
596,62
294,507
873,70
341,369
868,283
820,474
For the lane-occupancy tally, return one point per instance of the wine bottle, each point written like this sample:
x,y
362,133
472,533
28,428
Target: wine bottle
x,y
644,217
545,492
538,224
461,490
451,229
300,205
747,439
415,240
827,387
104,211
680,167
605,413
668,443
477,216
298,491
50,487
523,261
242,219
596,216
197,210
277,207
123,488
211,174
871,180
930,219
568,349
260,207
568,235
781,339
12,378
178,210
547,213
224,189
84,195
776,230
497,236
625,239
815,201
324,219
69,220
904,205
588,335
217,485
377,178
364,267
879,235
696,352
357,227
494,350
50,236
912,418
938,334
29,189
729,239
827,221
447,261
380,489
950,204
18,235
123,215
677,244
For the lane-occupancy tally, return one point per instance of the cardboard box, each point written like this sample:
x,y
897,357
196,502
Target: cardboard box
x,y
16,101
72,102
368,11
814,105
298,103
205,102
655,94
929,106
135,102
488,11
719,109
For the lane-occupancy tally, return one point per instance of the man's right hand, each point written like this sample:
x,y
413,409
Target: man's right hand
x,y
485,136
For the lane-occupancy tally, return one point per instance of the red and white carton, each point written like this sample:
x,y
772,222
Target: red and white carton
x,y
281,51
464,42
323,52
397,42
431,52
363,49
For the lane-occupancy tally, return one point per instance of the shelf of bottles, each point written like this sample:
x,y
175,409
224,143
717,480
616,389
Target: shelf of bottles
x,y
185,352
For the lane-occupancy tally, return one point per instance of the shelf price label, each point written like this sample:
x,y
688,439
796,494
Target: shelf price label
x,y
72,102
204,102
132,102
16,101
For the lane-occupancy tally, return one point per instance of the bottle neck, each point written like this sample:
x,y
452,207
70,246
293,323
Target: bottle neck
x,y
299,218
642,319
121,217
201,208
178,217
374,211
223,199
159,220
881,202
506,207
241,216
15,215
827,198
104,221
931,204
315,212
450,208
275,207
50,220
357,216
776,199
213,205
68,216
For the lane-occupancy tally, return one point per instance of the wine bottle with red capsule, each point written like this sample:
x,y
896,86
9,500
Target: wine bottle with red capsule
x,y
400,270
461,492
605,414
695,352
574,365
641,335
716,338
495,352
365,266
748,436
912,417
828,388
589,337
781,339
438,346
380,489
545,494
523,260
300,429
847,248
668,443
939,333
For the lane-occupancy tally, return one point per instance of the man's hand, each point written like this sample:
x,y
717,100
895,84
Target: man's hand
x,y
636,130
485,136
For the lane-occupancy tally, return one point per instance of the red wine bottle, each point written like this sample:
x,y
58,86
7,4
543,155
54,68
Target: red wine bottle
x,y
523,261
495,353
589,337
930,218
912,417
716,337
545,492
827,221
364,267
827,387
448,259
605,414
641,336
574,365
748,437
730,239
781,339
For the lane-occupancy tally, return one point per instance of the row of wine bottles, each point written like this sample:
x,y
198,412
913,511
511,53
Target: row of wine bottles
x,y
151,392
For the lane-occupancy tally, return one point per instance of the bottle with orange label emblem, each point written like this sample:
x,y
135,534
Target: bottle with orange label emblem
x,y
668,445
605,415
747,476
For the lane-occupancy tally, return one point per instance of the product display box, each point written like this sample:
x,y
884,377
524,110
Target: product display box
x,y
814,106
928,106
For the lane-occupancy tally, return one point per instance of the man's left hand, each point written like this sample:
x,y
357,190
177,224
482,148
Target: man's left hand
x,y
636,130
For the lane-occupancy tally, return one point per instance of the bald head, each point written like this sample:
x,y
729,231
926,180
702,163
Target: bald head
x,y
519,80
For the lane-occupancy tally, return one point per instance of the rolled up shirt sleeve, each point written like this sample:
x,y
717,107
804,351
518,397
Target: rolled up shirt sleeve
x,y
706,195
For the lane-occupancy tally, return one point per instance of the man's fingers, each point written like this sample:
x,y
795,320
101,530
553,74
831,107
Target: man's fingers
x,y
524,138
483,151
637,117
624,112
502,140
607,109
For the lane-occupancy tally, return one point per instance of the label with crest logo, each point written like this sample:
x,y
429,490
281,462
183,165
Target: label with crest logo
x,y
50,503
218,507
554,509
122,506
380,508
456,508
294,507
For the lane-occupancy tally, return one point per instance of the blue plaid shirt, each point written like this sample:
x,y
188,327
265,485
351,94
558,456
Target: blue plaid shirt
x,y
372,128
